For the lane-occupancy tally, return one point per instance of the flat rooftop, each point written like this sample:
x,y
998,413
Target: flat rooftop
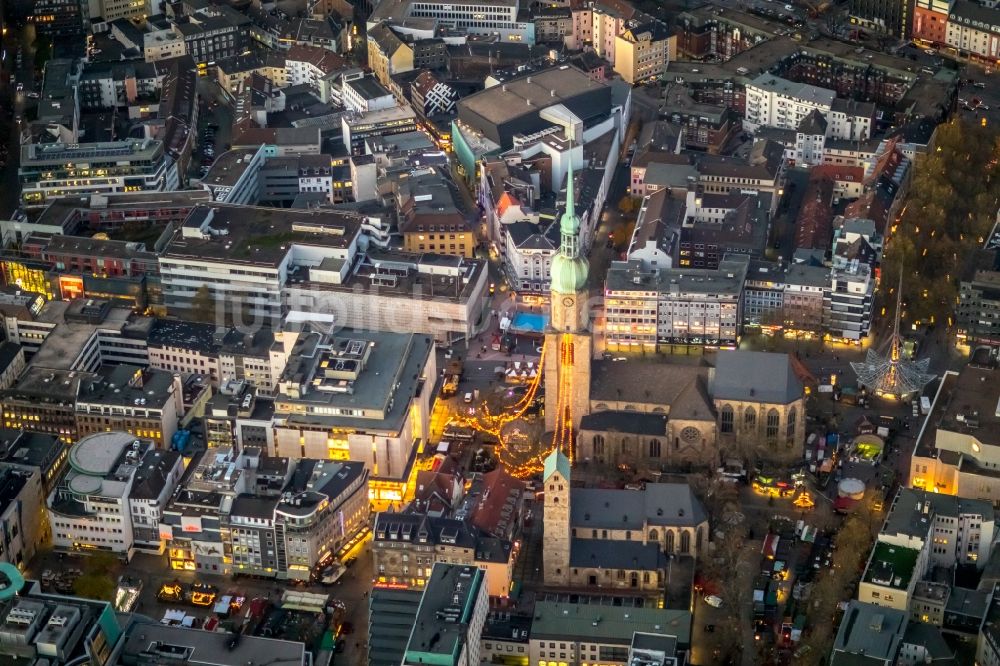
x,y
259,235
392,375
416,276
501,103
892,566
123,385
728,279
230,166
149,641
967,403
598,623
446,610
57,154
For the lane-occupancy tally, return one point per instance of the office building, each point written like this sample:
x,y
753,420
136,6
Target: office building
x,y
220,355
253,514
112,494
357,127
49,171
440,296
656,308
958,445
242,257
366,399
364,94
235,176
145,639
144,402
578,633
26,449
450,619
501,18
58,17
44,401
36,627
322,504
214,32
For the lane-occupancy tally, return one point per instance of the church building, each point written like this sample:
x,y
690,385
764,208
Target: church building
x,y
597,537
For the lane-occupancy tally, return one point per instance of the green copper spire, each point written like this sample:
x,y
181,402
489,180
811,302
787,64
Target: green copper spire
x,y
570,223
569,269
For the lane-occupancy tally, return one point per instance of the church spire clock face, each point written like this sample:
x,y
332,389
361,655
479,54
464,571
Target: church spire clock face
x,y
569,270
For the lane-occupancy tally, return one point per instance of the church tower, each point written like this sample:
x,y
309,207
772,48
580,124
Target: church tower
x,y
555,519
568,344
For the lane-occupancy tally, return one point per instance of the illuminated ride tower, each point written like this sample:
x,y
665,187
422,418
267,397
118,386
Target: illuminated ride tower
x,y
568,342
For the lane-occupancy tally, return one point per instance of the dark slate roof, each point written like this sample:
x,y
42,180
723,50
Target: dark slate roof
x,y
755,376
814,123
609,554
531,236
627,422
667,504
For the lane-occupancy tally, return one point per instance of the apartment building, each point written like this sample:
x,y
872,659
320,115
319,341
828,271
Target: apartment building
x,y
111,495
978,312
144,402
772,101
52,170
429,217
388,54
656,308
361,404
642,51
974,28
847,304
309,65
243,256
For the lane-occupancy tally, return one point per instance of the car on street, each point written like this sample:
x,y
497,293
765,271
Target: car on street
x,y
714,601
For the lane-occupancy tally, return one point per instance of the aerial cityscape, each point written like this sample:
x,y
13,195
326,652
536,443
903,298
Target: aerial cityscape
x,y
500,332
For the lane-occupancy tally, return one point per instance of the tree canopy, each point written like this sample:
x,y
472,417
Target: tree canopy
x,y
950,209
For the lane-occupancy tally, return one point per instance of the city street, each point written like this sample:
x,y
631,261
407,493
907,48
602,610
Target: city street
x,y
15,105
